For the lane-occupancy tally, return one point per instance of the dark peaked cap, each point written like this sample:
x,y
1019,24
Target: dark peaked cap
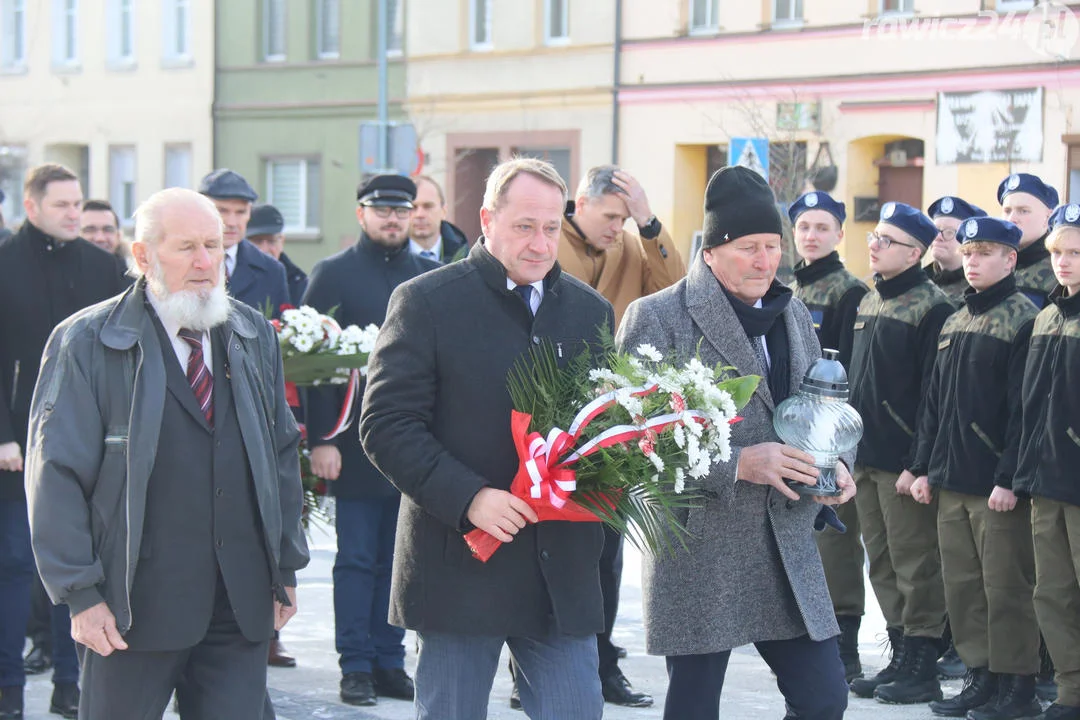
x,y
388,191
738,202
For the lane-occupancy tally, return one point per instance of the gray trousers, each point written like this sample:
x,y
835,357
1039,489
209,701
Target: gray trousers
x,y
557,676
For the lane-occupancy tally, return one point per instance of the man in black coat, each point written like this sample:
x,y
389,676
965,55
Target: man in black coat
x,y
356,283
266,231
436,421
46,273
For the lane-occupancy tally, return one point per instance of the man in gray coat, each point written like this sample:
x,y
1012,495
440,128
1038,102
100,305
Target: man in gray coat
x,y
163,481
436,421
751,572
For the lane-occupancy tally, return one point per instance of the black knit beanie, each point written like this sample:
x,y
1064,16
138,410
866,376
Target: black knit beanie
x,y
738,202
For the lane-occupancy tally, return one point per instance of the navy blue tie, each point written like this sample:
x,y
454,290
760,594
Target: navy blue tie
x,y
525,291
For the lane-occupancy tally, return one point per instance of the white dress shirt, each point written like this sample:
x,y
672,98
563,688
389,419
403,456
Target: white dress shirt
x,y
535,298
417,249
180,346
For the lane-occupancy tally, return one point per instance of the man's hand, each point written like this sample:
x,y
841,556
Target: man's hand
x,y
770,463
283,613
904,483
499,513
95,627
1002,499
326,462
920,490
844,482
636,202
11,457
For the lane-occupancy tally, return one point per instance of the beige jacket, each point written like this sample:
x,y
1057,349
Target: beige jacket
x,y
631,268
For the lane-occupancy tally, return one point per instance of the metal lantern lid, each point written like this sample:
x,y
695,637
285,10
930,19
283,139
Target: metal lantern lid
x,y
826,377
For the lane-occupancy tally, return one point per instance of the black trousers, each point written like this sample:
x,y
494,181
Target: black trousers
x,y
809,674
611,564
221,678
39,629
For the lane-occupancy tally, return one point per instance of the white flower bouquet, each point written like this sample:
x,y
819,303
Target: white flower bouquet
x,y
316,350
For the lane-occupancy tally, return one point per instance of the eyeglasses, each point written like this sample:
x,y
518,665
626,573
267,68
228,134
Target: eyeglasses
x,y
884,241
949,235
384,212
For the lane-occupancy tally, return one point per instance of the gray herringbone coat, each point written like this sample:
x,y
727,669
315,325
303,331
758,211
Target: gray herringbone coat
x,y
752,570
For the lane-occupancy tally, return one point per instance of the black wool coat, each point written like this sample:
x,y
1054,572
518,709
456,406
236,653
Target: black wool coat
x,y
42,282
356,284
436,421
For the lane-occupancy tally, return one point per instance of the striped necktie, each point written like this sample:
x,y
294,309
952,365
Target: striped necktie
x,y
198,375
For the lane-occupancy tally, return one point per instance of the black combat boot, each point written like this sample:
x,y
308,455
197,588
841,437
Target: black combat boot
x,y
1045,687
849,645
980,687
864,687
1016,699
917,679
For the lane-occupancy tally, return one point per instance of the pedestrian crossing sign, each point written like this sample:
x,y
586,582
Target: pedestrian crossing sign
x,y
750,152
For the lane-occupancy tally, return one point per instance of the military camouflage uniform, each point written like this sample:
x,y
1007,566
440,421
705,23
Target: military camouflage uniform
x,y
896,334
952,282
1034,275
832,295
968,444
1047,472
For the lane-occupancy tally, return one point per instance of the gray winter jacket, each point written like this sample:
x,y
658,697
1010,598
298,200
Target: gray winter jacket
x,y
94,429
751,571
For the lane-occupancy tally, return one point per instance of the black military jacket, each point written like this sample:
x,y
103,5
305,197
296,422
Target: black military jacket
x,y
832,296
952,282
970,432
1034,275
896,334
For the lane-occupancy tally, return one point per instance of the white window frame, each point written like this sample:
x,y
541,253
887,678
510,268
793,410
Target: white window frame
x,y
267,11
170,150
395,35
320,39
12,36
14,159
305,211
172,25
474,42
123,193
65,34
115,33
907,8
549,7
796,20
1014,5
711,23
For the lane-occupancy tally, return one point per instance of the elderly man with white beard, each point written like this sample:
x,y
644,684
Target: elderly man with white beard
x,y
163,480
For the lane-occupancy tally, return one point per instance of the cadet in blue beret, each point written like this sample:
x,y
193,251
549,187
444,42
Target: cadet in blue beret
x,y
946,268
266,231
1027,202
896,333
251,276
832,294
966,459
1049,456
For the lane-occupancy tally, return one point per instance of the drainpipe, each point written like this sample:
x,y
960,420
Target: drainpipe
x,y
615,84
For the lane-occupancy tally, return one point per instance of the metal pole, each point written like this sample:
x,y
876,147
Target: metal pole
x,y
384,122
615,83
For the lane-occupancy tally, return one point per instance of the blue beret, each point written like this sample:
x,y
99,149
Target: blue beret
x,y
265,220
225,183
1068,214
988,229
910,220
1030,184
817,200
954,207
387,190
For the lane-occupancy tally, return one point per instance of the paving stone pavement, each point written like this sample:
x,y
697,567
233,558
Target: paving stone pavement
x,y
311,689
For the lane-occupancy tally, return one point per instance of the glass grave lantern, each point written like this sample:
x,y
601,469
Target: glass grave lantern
x,y
817,419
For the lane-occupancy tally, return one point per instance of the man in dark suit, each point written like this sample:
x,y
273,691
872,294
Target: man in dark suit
x,y
358,282
164,483
46,273
436,421
266,231
431,235
251,277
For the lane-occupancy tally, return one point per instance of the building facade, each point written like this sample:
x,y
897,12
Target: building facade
x,y
294,81
118,90
489,79
907,100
